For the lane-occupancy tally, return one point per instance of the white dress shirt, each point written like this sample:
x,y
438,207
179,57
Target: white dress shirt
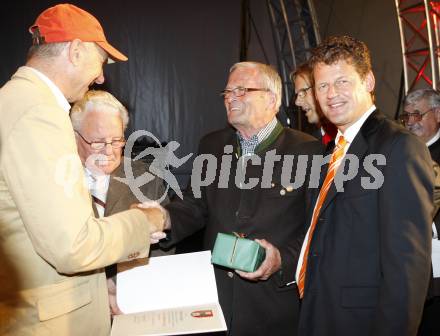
x,y
98,186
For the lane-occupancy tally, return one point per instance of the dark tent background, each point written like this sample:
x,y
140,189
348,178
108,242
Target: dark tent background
x,y
180,52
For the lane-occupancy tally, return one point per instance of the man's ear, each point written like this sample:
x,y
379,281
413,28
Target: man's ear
x,y
370,81
272,100
437,114
76,50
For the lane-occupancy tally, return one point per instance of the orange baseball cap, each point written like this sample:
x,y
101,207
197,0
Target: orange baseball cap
x,y
66,22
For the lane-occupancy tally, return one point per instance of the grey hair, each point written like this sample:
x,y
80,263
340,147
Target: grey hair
x,y
97,100
47,50
271,79
431,96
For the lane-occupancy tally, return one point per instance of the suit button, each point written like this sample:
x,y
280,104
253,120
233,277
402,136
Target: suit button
x,y
133,255
230,274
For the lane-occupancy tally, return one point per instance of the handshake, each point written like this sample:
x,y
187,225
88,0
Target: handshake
x,y
158,219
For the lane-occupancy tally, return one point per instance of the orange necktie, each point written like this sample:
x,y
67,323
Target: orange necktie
x,y
337,156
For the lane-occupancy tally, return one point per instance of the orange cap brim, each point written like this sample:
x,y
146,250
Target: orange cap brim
x,y
114,54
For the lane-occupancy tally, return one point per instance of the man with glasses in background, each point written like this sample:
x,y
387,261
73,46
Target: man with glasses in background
x,y
264,302
421,115
99,121
305,99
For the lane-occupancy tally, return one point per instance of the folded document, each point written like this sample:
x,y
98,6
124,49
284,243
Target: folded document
x,y
170,295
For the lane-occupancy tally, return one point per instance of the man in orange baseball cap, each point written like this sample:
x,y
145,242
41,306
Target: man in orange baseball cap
x,y
65,23
70,40
53,249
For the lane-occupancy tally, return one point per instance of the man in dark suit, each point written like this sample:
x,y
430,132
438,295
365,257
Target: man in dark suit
x,y
421,115
99,121
272,211
364,266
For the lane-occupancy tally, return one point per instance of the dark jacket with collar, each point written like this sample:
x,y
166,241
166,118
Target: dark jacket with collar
x,y
434,150
275,213
369,260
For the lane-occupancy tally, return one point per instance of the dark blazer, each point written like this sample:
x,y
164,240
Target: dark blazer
x,y
369,261
275,213
429,325
434,149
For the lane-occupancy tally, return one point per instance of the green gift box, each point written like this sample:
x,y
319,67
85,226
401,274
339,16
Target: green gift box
x,y
236,252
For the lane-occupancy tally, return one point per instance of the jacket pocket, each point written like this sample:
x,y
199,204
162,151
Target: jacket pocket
x,y
359,297
63,300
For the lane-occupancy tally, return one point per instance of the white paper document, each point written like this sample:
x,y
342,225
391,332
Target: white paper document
x,y
170,295
436,258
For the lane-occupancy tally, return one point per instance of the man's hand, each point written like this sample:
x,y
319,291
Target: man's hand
x,y
270,265
156,205
114,309
156,235
156,217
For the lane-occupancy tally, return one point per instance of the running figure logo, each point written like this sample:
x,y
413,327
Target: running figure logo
x,y
164,158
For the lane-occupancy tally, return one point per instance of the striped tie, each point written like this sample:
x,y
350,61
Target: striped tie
x,y
98,201
337,156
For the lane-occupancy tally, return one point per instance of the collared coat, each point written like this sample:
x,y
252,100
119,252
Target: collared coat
x,y
274,211
52,249
369,260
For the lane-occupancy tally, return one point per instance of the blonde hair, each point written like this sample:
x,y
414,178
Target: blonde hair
x,y
93,100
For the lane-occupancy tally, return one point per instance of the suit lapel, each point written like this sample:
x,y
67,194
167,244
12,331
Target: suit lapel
x,y
315,191
116,192
359,147
95,211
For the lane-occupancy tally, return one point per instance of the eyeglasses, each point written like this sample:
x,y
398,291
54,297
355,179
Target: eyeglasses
x,y
339,84
416,116
98,145
302,92
240,91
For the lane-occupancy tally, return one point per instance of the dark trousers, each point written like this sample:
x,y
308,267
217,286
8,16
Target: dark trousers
x,y
430,325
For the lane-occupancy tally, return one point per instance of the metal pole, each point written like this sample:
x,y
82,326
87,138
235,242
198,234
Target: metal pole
x,y
431,49
402,42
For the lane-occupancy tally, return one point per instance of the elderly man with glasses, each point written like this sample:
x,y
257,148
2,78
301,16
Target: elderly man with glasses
x,y
421,115
99,121
264,302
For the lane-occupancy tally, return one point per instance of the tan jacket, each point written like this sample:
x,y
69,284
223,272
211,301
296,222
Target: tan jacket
x,y
52,248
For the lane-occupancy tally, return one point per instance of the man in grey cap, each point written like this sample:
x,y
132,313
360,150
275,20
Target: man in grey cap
x,y
53,250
